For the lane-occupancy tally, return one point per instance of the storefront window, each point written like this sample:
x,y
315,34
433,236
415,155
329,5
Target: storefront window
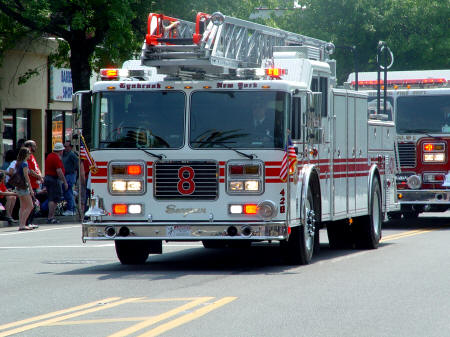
x,y
15,126
7,129
21,124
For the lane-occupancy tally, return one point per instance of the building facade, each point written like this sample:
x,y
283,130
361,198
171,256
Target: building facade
x,y
38,109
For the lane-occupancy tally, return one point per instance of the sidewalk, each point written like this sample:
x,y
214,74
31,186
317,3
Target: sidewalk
x,y
43,221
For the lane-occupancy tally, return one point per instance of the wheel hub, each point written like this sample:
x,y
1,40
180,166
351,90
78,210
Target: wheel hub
x,y
310,222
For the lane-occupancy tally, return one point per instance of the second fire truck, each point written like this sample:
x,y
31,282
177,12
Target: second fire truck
x,y
246,139
419,101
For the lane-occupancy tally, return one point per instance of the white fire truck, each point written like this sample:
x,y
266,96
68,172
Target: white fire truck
x,y
245,140
420,102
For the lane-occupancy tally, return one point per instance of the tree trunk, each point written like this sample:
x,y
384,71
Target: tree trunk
x,y
81,51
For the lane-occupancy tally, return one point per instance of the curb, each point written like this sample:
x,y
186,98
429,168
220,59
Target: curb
x,y
43,221
62,219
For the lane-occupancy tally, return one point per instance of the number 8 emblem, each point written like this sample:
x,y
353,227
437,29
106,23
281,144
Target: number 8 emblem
x,y
183,180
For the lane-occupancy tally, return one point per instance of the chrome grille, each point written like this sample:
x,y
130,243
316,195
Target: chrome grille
x,y
407,154
185,180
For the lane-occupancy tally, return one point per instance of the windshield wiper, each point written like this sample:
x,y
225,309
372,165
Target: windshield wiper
x,y
223,143
424,131
159,156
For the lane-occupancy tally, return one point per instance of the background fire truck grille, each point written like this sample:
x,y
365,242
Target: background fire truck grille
x,y
166,180
407,154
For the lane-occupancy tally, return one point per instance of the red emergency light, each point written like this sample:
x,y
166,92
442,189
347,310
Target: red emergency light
x,y
275,72
431,147
402,82
120,208
250,209
134,170
109,74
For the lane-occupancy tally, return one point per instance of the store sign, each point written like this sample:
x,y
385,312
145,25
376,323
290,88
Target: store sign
x,y
60,84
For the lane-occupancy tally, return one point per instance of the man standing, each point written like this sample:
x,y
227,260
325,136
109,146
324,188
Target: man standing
x,y
70,162
34,173
54,179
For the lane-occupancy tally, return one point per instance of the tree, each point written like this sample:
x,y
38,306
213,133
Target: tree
x,y
416,31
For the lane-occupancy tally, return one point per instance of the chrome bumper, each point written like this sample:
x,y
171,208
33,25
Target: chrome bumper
x,y
257,231
411,197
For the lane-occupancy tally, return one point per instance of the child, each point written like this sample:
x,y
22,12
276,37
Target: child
x,y
10,199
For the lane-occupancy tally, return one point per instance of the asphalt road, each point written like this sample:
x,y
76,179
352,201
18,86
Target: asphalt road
x,y
54,285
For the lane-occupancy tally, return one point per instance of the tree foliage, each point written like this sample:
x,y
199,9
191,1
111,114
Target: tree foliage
x,y
415,30
99,33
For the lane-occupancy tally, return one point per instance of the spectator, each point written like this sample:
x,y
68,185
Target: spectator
x,y
18,147
70,162
9,158
34,173
54,179
25,193
9,172
8,199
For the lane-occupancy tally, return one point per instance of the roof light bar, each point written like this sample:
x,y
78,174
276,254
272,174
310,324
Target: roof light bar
x,y
403,82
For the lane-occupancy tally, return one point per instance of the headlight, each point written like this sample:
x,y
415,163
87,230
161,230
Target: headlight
x,y
434,157
236,185
245,186
433,152
134,185
245,177
252,185
119,185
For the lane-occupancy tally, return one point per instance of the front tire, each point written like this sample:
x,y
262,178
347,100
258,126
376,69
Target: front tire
x,y
368,228
303,239
132,251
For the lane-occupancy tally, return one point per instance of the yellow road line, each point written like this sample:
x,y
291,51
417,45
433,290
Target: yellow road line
x,y
57,313
158,318
62,318
101,320
188,317
406,234
174,299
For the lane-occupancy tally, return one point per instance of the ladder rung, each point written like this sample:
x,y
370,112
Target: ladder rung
x,y
175,48
177,41
173,55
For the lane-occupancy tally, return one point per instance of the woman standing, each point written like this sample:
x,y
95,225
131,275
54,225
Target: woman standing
x,y
26,194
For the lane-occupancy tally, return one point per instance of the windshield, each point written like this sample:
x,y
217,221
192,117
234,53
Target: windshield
x,y
238,119
139,119
423,114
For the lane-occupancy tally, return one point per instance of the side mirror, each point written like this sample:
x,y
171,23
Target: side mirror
x,y
79,101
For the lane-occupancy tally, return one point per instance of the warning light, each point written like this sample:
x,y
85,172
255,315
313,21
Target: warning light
x,y
134,170
109,74
428,147
434,147
119,208
275,72
250,209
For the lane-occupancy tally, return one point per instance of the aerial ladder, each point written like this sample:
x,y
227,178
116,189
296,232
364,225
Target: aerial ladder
x,y
217,45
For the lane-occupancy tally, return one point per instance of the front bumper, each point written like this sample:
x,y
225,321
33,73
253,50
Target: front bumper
x,y
415,197
184,231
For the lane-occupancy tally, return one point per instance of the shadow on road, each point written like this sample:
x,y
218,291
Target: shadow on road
x,y
261,259
424,221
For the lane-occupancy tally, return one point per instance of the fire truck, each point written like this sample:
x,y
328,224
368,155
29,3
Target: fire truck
x,y
246,139
420,102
